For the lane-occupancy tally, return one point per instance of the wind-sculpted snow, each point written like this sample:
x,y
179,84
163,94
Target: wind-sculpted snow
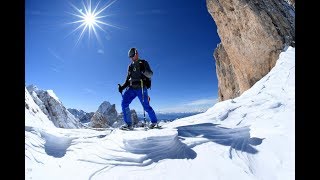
x,y
141,148
40,143
56,146
237,139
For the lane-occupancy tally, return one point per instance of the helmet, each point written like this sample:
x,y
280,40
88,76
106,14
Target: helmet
x,y
132,52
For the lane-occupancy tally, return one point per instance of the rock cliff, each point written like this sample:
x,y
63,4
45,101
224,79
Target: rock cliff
x,y
253,34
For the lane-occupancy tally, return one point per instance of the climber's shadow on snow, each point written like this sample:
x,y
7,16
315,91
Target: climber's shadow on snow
x,y
237,138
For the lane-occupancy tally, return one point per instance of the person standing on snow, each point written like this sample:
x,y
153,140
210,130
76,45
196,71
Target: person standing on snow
x,y
136,84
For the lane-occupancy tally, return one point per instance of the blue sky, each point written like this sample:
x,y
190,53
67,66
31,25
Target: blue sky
x,y
177,37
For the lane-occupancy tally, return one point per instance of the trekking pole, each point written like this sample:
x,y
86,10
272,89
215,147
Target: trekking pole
x,y
144,113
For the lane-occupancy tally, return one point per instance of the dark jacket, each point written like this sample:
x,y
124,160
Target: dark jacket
x,y
138,70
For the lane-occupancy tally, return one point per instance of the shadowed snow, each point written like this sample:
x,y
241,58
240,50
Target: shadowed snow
x,y
237,138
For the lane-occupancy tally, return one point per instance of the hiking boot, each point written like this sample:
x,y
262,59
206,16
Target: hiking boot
x,y
152,125
141,124
126,126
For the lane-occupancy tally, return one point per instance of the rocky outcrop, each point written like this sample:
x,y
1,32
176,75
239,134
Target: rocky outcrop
x,y
134,118
34,116
53,108
99,121
252,33
32,89
105,116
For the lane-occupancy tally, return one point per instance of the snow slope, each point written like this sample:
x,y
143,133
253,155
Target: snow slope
x,y
250,137
34,116
46,101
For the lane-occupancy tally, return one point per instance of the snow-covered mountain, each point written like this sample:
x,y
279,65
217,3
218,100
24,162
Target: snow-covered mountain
x,y
34,113
251,137
46,101
83,116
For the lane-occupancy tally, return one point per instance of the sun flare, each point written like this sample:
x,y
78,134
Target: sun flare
x,y
90,19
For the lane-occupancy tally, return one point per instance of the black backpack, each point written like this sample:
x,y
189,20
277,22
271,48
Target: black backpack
x,y
148,83
146,80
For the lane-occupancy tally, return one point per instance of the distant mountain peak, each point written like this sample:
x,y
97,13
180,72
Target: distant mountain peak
x,y
104,106
105,103
32,88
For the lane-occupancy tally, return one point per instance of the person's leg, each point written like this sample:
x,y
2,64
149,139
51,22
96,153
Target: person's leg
x,y
146,105
127,98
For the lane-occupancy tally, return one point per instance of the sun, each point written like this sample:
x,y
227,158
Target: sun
x,y
90,19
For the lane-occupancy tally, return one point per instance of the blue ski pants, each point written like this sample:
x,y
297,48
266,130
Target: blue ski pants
x,y
127,98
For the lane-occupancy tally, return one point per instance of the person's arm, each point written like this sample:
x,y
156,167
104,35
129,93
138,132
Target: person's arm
x,y
147,70
126,83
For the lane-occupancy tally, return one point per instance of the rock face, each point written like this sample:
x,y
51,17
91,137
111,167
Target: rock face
x,y
105,116
99,121
252,33
53,108
134,118
34,115
225,72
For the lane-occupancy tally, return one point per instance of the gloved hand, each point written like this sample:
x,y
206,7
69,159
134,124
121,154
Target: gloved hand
x,y
120,88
